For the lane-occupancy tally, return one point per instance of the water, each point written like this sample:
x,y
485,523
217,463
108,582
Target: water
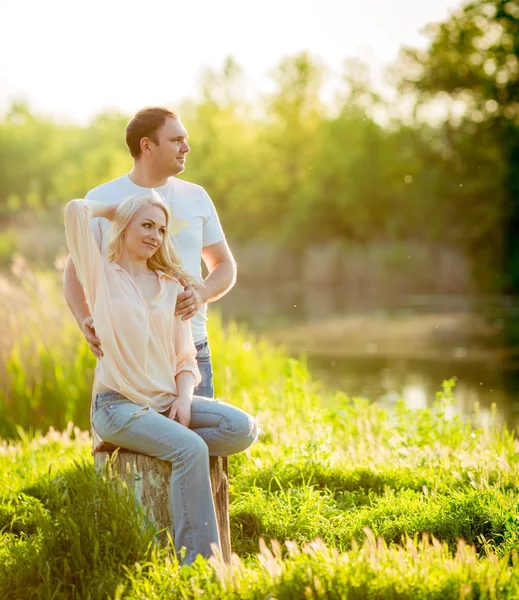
x,y
388,348
478,385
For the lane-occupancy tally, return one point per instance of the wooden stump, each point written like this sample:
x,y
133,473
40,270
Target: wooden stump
x,y
149,479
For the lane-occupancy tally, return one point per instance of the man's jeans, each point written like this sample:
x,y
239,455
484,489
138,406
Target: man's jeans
x,y
203,357
216,429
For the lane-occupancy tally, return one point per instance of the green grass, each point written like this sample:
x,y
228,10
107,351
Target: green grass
x,y
338,499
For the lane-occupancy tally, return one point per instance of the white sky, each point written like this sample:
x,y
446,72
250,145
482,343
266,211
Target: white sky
x,y
72,59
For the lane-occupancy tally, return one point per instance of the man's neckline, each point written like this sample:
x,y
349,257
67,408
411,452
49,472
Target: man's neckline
x,y
170,181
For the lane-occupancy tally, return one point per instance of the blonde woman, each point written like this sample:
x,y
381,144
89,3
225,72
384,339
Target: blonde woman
x,y
143,390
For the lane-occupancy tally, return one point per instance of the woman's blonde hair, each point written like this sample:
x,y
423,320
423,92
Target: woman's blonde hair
x,y
166,259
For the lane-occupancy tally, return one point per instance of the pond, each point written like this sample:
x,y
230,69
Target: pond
x,y
394,347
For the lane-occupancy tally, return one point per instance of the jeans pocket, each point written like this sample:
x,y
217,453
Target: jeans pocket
x,y
103,398
113,417
203,352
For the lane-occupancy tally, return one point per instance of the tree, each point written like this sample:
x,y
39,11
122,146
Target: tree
x,y
472,62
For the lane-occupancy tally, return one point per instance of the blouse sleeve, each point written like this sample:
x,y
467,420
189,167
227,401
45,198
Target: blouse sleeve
x,y
82,246
185,349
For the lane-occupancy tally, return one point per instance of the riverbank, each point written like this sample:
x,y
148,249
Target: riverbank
x,y
456,336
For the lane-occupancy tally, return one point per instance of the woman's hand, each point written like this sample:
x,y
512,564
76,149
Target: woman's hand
x,y
181,410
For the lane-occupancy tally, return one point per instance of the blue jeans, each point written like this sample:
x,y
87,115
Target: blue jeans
x,y
203,358
216,429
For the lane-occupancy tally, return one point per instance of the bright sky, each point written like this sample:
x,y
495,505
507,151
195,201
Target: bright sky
x,y
72,59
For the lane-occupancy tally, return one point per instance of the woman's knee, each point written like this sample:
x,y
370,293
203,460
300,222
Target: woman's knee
x,y
191,448
245,431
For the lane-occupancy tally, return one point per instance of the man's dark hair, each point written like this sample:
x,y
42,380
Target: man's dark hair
x,y
146,123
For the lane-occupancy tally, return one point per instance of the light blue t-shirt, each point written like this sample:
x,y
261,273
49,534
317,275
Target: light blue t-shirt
x,y
195,225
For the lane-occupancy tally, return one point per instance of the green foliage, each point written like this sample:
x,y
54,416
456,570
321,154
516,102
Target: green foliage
x,y
7,248
47,368
291,168
80,532
412,505
68,534
472,62
43,163
416,504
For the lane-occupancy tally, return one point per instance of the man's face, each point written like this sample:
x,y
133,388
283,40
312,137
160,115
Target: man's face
x,y
169,154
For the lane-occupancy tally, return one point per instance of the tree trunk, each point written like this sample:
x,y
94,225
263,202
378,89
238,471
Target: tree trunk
x,y
149,479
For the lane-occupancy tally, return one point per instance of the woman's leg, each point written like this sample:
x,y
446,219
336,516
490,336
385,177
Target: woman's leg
x,y
121,422
224,428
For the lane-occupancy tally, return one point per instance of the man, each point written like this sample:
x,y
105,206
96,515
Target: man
x,y
157,142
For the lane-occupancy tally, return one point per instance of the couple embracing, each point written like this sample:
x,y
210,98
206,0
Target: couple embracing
x,y
134,285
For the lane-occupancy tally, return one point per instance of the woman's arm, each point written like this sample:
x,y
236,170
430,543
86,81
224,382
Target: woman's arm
x,y
181,408
187,374
185,384
81,244
96,209
185,350
100,209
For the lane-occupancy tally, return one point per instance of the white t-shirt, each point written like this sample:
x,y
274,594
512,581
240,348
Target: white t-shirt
x,y
195,225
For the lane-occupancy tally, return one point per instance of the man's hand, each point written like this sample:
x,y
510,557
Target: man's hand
x,y
181,411
190,300
87,327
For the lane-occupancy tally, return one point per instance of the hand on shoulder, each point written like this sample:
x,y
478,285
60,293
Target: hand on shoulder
x,y
190,300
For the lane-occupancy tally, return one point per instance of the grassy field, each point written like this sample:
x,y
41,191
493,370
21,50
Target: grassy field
x,y
338,499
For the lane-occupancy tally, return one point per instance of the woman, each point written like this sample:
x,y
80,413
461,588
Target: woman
x,y
143,390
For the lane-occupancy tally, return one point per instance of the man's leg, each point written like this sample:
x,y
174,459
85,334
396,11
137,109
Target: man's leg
x,y
203,357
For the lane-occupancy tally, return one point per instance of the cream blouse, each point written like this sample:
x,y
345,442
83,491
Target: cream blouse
x,y
144,344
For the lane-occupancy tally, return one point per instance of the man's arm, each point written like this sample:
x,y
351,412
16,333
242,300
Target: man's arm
x,y
222,271
221,277
76,300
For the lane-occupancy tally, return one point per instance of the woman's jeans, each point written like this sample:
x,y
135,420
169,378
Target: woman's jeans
x,y
216,429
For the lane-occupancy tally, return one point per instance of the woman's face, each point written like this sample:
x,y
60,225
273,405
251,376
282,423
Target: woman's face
x,y
145,233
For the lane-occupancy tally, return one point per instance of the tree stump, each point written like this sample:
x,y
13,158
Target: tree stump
x,y
149,480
